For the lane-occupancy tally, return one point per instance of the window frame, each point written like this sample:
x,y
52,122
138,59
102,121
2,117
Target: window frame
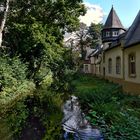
x,y
131,74
103,57
118,65
86,68
107,34
115,33
110,66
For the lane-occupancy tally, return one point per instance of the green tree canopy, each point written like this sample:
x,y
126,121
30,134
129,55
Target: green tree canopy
x,y
35,29
88,36
95,33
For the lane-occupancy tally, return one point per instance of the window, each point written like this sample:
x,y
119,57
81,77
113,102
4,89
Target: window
x,y
115,33
99,69
107,34
86,68
118,65
132,65
110,65
103,57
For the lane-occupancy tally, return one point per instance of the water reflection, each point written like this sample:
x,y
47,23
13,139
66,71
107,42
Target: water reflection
x,y
74,122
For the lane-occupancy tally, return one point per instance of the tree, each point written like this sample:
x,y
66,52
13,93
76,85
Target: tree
x,y
87,37
83,38
33,36
35,30
95,33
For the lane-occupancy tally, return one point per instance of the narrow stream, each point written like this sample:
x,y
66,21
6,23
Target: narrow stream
x,y
75,123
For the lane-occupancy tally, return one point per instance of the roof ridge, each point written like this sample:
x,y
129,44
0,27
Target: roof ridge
x,y
130,36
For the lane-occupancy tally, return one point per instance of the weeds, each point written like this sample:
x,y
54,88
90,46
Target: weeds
x,y
107,107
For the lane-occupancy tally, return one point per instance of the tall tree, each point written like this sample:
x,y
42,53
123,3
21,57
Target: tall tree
x,y
35,29
88,37
95,33
83,38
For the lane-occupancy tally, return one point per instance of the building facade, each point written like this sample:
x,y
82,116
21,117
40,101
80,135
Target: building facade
x,y
117,59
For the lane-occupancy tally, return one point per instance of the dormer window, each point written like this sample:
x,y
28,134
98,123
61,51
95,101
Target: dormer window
x,y
115,33
107,34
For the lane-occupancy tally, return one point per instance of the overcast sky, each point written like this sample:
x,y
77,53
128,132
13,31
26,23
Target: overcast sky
x,y
97,10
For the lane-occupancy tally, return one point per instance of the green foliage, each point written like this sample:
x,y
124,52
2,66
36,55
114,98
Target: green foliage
x,y
36,62
63,72
36,39
5,132
87,89
15,88
14,84
107,107
53,127
48,109
87,37
82,38
95,33
17,117
13,120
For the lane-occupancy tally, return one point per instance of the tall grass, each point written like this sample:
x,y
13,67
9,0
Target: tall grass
x,y
107,107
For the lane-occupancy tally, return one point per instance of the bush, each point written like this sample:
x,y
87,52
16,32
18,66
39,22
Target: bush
x,y
16,118
14,89
47,107
13,81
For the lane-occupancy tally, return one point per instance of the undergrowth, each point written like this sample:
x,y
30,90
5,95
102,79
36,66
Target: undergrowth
x,y
107,107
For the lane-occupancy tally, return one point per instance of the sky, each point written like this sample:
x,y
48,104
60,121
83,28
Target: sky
x,y
98,10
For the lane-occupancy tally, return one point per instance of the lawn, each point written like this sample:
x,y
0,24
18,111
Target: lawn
x,y
108,108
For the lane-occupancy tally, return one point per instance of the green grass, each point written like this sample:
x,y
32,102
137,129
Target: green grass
x,y
107,107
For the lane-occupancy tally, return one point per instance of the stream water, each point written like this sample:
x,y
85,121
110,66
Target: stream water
x,y
74,122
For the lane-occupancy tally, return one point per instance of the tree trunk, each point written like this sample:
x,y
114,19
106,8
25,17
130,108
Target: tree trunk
x,y
4,19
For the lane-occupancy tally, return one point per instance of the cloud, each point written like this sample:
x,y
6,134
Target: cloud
x,y
94,14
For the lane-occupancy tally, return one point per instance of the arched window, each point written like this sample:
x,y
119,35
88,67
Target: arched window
x,y
110,65
132,65
118,65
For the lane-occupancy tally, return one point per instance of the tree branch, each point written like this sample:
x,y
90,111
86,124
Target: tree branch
x,y
4,19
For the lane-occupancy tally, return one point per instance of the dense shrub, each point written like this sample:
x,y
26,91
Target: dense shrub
x,y
22,99
48,108
16,118
14,89
13,82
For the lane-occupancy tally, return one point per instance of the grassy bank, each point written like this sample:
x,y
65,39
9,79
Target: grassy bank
x,y
107,107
